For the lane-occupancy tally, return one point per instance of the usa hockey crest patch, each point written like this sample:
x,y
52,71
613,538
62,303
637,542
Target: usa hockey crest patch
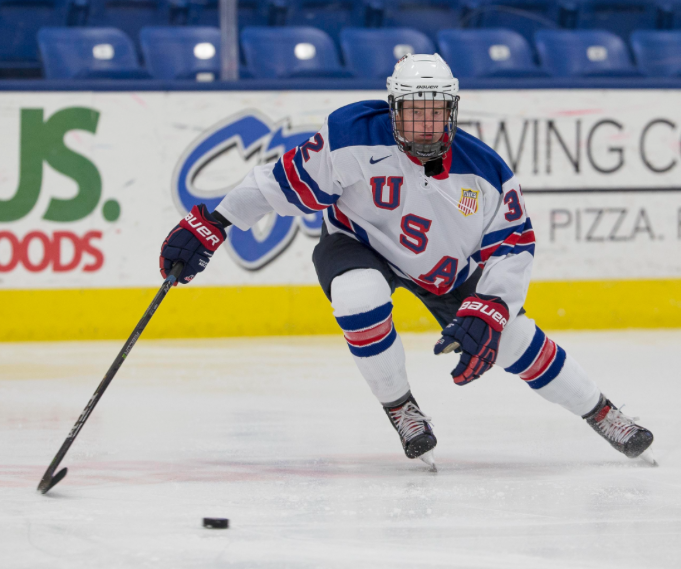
x,y
468,204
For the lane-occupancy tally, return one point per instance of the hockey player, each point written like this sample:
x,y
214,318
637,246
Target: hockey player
x,y
409,201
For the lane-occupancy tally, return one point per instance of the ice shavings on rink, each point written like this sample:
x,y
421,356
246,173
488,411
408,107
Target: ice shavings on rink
x,y
282,436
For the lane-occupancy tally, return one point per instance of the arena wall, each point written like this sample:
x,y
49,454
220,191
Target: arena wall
x,y
91,182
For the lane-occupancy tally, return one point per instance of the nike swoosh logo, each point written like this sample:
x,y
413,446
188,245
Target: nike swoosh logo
x,y
372,161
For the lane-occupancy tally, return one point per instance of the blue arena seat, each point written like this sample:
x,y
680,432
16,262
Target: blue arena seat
x,y
374,52
488,53
88,53
328,15
658,53
522,16
20,21
181,52
675,7
426,16
272,52
584,53
622,17
130,16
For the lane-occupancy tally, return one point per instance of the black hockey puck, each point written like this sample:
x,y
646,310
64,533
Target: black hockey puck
x,y
216,523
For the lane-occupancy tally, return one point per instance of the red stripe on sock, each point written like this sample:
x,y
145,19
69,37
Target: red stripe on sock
x,y
546,356
370,335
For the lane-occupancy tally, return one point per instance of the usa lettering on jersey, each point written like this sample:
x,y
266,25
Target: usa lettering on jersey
x,y
434,230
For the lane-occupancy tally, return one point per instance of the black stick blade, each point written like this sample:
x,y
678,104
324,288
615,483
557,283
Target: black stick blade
x,y
48,482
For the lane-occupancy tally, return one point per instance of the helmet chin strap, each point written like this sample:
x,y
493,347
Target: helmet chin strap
x,y
432,164
426,151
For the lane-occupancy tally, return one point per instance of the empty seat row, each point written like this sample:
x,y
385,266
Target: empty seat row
x,y
273,52
291,52
526,17
170,53
21,19
193,53
430,16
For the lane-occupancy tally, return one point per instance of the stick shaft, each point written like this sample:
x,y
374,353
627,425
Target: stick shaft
x,y
45,482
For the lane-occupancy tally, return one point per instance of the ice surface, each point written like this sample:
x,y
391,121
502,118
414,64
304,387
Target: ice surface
x,y
283,437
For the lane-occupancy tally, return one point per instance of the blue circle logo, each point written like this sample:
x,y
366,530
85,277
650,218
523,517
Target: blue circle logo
x,y
244,137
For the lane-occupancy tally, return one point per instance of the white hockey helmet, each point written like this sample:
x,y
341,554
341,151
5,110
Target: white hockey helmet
x,y
425,78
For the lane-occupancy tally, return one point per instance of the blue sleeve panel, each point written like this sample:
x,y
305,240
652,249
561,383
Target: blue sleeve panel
x,y
366,123
472,156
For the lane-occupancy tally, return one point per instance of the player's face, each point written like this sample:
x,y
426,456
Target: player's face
x,y
423,122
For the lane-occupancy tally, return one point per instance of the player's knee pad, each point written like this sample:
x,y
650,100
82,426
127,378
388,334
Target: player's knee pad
x,y
363,309
526,351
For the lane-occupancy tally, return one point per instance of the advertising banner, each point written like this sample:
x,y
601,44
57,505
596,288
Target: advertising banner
x,y
91,182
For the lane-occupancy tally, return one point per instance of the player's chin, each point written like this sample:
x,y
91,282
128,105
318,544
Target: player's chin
x,y
427,139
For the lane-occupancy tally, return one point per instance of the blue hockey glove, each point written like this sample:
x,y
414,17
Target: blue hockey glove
x,y
475,333
193,242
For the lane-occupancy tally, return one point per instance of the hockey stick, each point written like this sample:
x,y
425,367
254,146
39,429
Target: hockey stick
x,y
50,479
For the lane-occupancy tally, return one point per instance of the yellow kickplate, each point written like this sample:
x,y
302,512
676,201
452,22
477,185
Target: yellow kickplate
x,y
204,312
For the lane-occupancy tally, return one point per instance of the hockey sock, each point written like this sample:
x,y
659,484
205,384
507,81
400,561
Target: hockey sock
x,y
526,351
363,309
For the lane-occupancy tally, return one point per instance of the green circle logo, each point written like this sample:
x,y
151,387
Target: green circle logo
x,y
111,210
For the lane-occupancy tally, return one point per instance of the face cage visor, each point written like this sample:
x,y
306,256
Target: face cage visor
x,y
424,123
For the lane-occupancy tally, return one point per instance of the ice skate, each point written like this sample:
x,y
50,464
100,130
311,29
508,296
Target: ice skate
x,y
429,459
648,457
621,431
416,434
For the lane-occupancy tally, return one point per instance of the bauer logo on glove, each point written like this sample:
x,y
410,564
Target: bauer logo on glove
x,y
475,308
193,242
208,235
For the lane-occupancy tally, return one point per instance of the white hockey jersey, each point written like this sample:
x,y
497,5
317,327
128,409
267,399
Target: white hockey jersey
x,y
433,230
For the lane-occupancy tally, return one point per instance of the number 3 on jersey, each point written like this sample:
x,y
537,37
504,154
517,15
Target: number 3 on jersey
x,y
515,210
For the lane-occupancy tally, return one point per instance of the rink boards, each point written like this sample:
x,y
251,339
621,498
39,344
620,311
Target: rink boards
x,y
91,182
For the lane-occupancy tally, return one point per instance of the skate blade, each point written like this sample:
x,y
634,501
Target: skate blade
x,y
429,459
649,458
